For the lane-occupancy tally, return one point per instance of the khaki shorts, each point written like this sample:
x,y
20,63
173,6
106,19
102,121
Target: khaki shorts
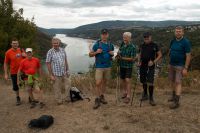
x,y
102,73
175,74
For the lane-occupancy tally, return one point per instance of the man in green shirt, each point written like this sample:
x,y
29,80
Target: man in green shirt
x,y
126,56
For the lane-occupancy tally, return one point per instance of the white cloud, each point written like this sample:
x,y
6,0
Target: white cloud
x,y
73,13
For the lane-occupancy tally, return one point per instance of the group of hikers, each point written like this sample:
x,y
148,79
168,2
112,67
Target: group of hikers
x,y
23,66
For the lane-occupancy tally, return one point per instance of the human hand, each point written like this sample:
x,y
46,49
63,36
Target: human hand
x,y
99,51
150,63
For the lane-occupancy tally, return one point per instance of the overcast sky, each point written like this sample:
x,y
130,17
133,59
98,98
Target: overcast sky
x,y
73,13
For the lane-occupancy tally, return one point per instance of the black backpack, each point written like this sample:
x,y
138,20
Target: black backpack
x,y
43,122
76,95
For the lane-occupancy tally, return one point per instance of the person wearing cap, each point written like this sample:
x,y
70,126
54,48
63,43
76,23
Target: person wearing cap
x,y
180,56
13,57
103,51
31,68
149,54
126,57
57,65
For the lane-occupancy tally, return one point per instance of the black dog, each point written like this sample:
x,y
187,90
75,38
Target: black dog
x,y
43,122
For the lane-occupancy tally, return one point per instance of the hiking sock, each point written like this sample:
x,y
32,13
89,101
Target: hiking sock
x,y
151,87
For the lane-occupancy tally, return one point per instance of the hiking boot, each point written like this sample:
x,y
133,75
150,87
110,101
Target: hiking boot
x,y
152,102
30,100
124,96
102,99
97,103
175,104
18,102
33,104
127,100
42,105
172,98
144,97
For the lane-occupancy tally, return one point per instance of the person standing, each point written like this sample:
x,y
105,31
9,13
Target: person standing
x,y
103,51
31,69
126,56
57,65
149,54
180,56
13,57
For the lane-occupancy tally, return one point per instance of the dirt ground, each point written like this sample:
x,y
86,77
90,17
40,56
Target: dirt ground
x,y
79,117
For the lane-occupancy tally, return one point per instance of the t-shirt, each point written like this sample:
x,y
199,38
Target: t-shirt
x,y
13,57
103,60
178,50
30,67
128,51
148,52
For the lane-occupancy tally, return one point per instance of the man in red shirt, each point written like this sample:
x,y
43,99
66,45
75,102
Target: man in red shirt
x,y
13,57
31,68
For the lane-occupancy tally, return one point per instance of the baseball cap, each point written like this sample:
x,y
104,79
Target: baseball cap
x,y
146,34
104,31
29,50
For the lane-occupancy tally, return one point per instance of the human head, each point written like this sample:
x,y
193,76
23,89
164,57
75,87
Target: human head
x,y
56,43
179,32
147,37
14,43
29,52
127,37
104,34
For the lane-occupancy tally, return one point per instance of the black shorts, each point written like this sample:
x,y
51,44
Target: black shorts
x,y
147,75
14,82
125,73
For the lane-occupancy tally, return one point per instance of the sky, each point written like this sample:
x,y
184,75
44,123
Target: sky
x,y
74,13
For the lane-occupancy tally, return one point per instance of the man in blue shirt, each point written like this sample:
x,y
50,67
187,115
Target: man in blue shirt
x,y
103,51
180,57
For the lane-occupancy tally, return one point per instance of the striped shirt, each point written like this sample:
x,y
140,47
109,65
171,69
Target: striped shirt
x,y
57,59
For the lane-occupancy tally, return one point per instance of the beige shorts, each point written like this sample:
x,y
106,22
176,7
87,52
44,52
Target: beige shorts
x,y
102,73
175,73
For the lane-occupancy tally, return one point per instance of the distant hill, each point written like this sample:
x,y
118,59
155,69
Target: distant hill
x,y
53,31
118,24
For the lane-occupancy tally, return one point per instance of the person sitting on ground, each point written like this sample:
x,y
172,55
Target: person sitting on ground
x,y
31,68
126,57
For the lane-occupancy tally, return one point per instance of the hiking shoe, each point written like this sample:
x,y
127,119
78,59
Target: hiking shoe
x,y
175,104
18,102
30,100
152,102
33,105
124,96
127,100
59,103
144,97
42,105
97,103
172,99
102,99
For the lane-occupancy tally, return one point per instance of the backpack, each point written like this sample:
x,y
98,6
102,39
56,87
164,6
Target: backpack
x,y
99,44
76,95
42,122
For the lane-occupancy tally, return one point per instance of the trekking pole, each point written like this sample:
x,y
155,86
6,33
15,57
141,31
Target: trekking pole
x,y
134,89
118,82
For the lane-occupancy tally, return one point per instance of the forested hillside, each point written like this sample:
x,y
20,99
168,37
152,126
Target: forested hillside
x,y
14,25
